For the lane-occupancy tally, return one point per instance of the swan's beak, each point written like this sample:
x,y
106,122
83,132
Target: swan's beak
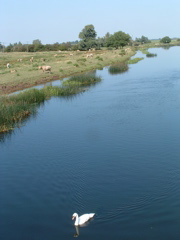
x,y
73,217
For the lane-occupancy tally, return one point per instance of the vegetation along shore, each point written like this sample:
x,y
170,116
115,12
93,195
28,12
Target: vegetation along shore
x,y
33,65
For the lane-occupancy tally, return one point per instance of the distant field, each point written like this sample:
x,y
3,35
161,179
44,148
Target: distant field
x,y
23,73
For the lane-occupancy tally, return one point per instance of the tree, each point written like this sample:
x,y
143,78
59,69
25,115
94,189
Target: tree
x,y
165,40
36,42
37,45
143,40
88,38
88,33
1,47
118,39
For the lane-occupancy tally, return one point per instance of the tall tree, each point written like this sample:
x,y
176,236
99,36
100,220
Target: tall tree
x,y
88,33
36,42
118,39
165,40
88,38
143,40
37,45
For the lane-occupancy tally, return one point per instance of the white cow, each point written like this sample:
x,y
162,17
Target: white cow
x,y
45,68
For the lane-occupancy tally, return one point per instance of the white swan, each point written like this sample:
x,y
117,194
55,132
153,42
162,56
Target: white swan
x,y
82,219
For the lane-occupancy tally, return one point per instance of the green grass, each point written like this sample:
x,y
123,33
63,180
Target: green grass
x,y
15,108
134,60
29,75
144,51
81,80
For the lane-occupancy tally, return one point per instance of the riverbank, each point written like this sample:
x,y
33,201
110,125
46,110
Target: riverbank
x,y
24,73
14,109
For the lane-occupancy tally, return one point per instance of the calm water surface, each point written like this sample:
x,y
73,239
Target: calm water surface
x,y
113,150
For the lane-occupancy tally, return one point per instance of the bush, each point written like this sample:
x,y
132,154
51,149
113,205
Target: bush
x,y
81,60
99,58
76,65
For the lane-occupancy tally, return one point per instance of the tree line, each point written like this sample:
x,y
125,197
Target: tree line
x,y
88,40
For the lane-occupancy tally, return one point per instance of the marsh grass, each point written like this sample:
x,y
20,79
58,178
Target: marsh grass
x,y
81,80
151,55
144,51
134,60
15,108
118,68
12,113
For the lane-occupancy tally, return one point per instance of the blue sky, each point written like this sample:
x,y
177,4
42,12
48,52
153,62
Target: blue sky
x,y
62,20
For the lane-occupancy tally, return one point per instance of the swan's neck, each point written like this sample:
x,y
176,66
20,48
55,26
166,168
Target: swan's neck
x,y
77,220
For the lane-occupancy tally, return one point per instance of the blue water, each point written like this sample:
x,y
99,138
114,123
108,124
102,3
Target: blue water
x,y
113,150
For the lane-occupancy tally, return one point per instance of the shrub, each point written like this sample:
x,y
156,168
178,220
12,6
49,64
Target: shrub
x,y
122,53
76,65
81,60
99,58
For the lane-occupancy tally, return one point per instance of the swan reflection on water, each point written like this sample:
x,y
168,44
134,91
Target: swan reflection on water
x,y
77,231
83,225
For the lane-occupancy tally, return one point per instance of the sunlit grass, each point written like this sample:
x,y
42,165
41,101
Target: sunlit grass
x,y
134,60
27,74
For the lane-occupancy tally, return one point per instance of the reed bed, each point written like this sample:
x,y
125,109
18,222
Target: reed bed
x,y
118,68
81,80
15,108
151,55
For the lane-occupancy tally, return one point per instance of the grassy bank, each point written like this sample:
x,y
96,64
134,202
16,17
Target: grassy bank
x,y
23,73
16,108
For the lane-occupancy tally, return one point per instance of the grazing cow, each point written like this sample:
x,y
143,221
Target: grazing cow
x,y
89,55
13,71
8,65
71,54
19,60
45,68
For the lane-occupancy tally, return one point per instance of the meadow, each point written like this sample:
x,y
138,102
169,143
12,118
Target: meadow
x,y
23,73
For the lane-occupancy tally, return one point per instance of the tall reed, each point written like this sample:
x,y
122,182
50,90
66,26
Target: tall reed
x,y
118,68
15,108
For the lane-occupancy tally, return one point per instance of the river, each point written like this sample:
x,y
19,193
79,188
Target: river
x,y
113,150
